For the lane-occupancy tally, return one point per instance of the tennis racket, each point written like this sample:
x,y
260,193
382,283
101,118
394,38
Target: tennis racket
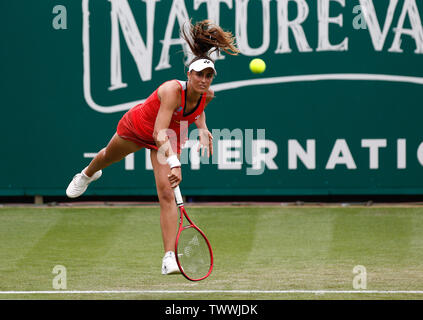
x,y
192,249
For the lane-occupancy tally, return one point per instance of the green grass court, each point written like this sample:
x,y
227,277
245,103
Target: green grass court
x,y
266,252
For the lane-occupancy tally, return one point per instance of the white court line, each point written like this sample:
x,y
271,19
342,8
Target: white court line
x,y
217,291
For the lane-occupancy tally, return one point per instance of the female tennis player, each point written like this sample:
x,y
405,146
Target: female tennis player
x,y
160,124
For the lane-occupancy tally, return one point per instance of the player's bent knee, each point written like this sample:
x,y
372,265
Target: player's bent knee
x,y
166,196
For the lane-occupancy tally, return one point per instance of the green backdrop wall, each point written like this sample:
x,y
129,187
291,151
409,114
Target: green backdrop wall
x,y
337,111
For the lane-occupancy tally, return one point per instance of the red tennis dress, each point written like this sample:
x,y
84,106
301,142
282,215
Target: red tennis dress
x,y
137,125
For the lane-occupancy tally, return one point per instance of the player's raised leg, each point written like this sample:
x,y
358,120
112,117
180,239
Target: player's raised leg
x,y
116,150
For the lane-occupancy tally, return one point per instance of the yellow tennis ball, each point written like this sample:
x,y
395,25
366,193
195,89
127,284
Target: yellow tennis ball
x,y
257,65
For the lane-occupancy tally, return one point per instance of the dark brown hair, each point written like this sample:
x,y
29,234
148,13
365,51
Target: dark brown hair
x,y
205,37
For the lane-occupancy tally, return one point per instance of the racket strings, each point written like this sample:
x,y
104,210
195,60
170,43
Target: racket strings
x,y
193,253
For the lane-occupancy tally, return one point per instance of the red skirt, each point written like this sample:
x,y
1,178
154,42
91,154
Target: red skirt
x,y
126,130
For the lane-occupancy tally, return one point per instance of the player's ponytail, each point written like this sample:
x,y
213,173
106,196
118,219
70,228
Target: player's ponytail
x,y
205,37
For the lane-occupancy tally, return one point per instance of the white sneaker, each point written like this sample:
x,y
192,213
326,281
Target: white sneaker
x,y
80,183
169,265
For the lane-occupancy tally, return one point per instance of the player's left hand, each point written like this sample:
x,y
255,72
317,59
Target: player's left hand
x,y
206,142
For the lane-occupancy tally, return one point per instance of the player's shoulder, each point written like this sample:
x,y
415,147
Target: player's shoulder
x,y
170,89
171,86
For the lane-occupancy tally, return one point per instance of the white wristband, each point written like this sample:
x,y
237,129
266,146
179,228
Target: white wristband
x,y
173,161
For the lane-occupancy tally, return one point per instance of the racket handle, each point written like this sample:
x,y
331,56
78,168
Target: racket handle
x,y
178,196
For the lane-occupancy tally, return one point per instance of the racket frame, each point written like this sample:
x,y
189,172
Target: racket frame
x,y
182,211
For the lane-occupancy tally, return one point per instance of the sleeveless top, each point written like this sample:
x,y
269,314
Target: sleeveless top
x,y
144,116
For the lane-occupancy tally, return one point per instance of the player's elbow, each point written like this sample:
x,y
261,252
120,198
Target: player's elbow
x,y
155,134
159,134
